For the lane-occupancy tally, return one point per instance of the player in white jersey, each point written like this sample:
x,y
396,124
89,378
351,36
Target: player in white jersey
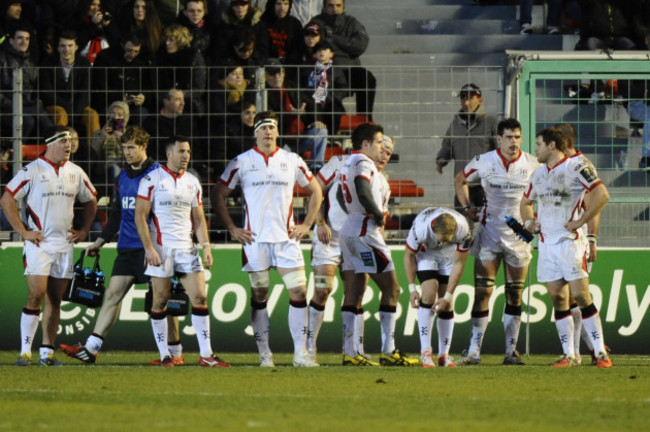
x,y
436,249
48,188
559,187
172,197
267,175
504,174
364,192
326,253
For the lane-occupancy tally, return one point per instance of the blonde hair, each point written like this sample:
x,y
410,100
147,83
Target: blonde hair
x,y
445,226
179,33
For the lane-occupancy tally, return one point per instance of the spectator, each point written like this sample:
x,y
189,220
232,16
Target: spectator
x,y
15,55
119,74
65,86
296,114
239,136
607,24
304,10
95,29
203,32
471,132
230,91
12,13
168,11
284,31
179,65
243,52
141,18
170,121
552,16
240,15
349,40
108,145
325,85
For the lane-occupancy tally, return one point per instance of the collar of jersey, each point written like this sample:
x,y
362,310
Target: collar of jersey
x,y
56,166
172,173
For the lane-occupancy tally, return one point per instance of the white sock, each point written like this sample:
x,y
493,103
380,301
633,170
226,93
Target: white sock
x,y
348,333
94,343
387,320
159,326
425,326
445,332
261,326
594,329
45,352
298,317
28,327
479,325
175,349
201,324
359,331
585,337
511,325
564,327
316,317
577,328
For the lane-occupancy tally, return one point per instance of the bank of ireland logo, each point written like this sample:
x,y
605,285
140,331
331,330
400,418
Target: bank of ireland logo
x,y
367,259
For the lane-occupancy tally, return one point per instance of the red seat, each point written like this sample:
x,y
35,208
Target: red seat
x,y
349,122
331,151
405,188
32,151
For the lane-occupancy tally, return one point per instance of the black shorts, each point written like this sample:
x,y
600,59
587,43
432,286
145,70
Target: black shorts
x,y
130,262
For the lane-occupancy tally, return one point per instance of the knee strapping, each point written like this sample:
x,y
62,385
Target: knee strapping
x,y
259,279
323,282
484,282
295,279
514,285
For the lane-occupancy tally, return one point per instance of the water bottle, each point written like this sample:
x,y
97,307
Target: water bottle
x,y
99,279
78,272
88,275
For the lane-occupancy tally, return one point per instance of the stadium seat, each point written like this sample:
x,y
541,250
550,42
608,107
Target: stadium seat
x,y
349,122
32,151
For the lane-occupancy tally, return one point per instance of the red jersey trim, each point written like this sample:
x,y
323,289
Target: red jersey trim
x,y
15,191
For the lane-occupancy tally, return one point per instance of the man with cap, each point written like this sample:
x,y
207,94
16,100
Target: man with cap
x,y
48,188
267,175
471,132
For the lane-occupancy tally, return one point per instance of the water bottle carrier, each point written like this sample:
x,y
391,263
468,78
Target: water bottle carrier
x,y
86,286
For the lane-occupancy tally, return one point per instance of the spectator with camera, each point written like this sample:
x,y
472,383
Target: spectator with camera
x,y
95,29
107,143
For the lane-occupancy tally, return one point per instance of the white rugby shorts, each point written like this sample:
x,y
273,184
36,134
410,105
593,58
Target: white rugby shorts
x,y
262,256
175,260
440,260
325,254
39,261
367,254
491,245
565,259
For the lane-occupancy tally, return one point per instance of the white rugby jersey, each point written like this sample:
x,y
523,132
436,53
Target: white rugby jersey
x,y
359,222
585,227
267,183
329,174
172,198
504,184
49,191
559,192
422,238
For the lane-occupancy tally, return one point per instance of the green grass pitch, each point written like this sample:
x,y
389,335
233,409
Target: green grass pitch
x,y
120,393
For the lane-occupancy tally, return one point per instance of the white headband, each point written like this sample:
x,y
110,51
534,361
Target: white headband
x,y
388,142
57,136
265,122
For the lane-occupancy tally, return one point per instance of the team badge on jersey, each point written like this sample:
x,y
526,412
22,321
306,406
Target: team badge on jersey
x,y
588,173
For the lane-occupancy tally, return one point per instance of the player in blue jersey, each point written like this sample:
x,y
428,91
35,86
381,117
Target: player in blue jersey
x,y
129,265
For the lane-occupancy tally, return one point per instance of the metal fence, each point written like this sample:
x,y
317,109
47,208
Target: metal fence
x,y
416,105
604,96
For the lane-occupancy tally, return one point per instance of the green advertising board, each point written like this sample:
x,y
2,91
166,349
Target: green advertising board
x,y
619,286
